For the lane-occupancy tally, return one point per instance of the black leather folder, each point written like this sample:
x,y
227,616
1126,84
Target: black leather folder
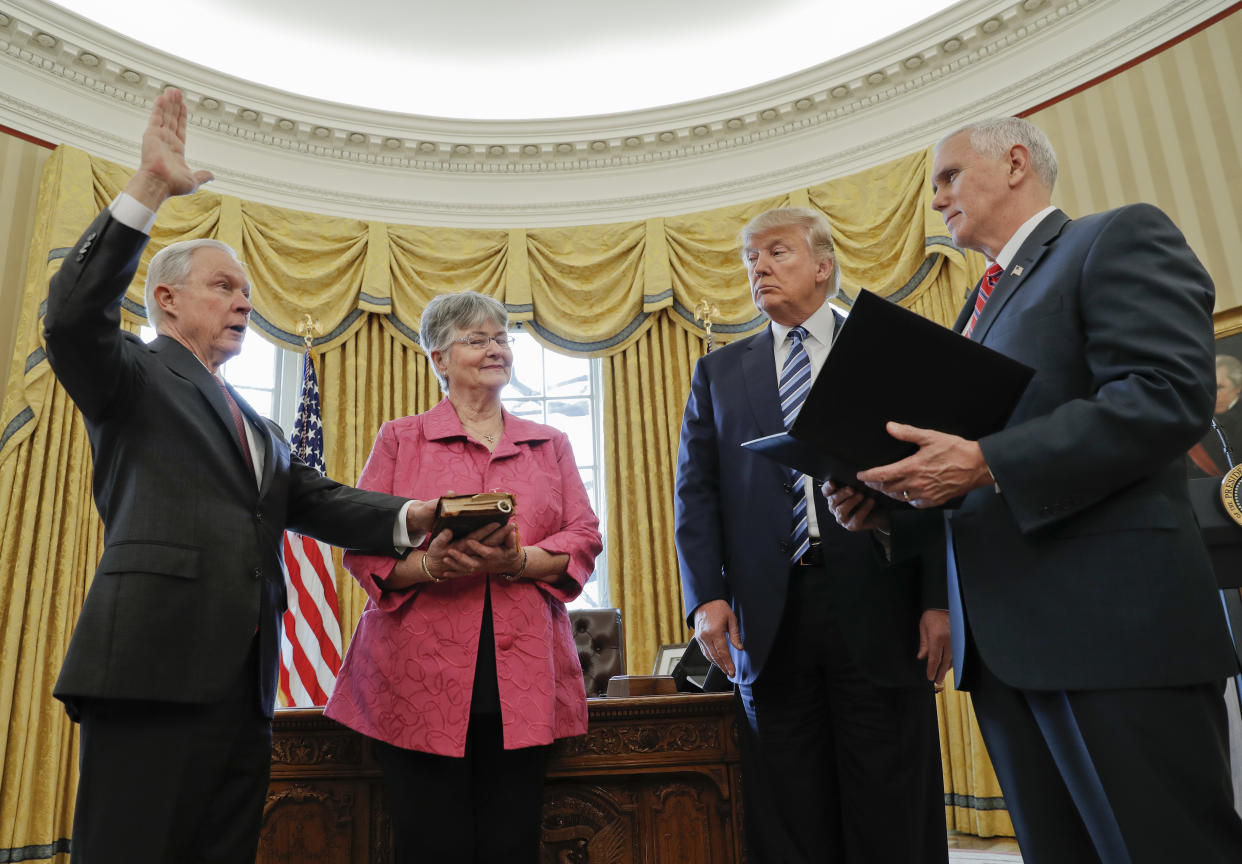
x,y
888,363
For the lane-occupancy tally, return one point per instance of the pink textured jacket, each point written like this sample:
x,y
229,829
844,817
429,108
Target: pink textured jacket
x,y
408,675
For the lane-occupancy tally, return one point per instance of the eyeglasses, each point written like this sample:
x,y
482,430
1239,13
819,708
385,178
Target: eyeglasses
x,y
479,341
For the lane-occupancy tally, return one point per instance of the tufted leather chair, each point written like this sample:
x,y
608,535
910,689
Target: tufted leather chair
x,y
601,646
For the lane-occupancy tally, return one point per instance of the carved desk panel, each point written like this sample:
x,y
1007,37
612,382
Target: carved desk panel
x,y
656,779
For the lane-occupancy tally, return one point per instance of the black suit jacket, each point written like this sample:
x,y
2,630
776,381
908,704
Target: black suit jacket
x,y
1087,571
733,522
191,561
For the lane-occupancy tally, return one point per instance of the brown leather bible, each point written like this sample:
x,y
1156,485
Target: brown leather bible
x,y
463,514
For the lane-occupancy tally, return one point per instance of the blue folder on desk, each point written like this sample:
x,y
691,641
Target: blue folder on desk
x,y
888,363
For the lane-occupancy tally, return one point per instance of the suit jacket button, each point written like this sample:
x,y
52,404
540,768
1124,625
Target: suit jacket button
x,y
258,517
258,573
784,546
788,487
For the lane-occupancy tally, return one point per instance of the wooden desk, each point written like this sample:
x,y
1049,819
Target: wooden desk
x,y
655,779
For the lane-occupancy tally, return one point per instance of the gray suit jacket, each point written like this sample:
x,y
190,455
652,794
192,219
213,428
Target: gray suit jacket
x,y
191,562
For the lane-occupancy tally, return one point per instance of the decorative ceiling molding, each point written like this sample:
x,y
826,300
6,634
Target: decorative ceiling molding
x,y
85,86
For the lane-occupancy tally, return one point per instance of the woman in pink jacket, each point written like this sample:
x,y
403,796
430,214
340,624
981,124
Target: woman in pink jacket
x,y
463,666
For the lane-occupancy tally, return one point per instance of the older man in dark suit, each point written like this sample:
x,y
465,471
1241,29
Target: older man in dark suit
x,y
1086,622
172,666
832,650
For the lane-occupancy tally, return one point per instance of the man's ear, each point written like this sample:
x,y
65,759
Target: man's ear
x,y
165,298
1019,163
823,273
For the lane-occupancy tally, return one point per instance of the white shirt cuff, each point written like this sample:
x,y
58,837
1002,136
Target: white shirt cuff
x,y
401,538
131,213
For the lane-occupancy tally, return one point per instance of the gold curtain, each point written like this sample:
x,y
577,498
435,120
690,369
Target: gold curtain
x,y
645,390
625,292
373,377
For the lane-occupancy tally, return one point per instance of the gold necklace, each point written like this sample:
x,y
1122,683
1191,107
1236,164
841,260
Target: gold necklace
x,y
491,439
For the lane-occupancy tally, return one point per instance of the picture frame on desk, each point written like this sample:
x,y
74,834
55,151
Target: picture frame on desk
x,y
667,657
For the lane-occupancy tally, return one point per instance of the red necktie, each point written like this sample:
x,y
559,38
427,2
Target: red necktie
x,y
990,277
238,422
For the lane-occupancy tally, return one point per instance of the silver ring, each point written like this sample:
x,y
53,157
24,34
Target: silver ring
x,y
905,493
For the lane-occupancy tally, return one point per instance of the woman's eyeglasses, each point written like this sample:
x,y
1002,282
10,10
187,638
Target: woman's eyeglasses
x,y
478,340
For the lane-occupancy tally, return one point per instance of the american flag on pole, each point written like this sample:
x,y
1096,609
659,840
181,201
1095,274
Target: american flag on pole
x,y
310,646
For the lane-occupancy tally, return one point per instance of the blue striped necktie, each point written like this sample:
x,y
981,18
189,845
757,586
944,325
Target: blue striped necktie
x,y
795,382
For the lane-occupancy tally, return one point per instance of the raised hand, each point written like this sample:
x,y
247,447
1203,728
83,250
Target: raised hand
x,y
163,171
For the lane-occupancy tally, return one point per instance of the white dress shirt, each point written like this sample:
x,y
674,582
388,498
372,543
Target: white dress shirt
x,y
820,328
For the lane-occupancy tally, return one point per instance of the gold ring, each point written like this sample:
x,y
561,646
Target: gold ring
x,y
905,493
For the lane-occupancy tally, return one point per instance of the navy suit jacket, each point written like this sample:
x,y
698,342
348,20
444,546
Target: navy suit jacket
x,y
733,525
1087,570
192,544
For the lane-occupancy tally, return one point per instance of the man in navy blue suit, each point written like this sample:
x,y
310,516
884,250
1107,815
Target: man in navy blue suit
x,y
1086,621
832,650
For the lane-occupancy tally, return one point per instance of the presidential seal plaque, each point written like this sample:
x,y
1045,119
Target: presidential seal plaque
x,y
1231,493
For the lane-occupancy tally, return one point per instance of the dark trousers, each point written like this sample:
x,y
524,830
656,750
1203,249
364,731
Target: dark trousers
x,y
483,808
1137,776
836,768
161,782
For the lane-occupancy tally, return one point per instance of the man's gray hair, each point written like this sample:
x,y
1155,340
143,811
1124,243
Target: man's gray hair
x,y
812,222
171,266
1232,366
993,138
447,313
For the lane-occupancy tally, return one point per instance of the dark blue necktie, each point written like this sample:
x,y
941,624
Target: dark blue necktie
x,y
795,382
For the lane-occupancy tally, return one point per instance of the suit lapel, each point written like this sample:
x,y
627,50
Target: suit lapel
x,y
759,379
1019,269
180,360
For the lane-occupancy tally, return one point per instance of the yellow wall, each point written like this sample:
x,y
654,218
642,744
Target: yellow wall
x,y
1167,131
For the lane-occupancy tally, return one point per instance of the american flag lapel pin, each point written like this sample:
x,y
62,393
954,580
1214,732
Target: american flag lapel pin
x,y
1017,271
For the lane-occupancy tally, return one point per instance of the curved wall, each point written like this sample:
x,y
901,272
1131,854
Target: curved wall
x,y
68,81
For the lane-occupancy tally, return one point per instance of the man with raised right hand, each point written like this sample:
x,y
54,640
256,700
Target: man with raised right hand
x,y
172,667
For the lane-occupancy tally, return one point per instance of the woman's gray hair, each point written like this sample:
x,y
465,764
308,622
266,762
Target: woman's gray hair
x,y
812,222
171,266
993,138
447,313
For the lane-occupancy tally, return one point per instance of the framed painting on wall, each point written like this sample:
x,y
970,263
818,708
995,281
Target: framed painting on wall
x,y
1209,457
